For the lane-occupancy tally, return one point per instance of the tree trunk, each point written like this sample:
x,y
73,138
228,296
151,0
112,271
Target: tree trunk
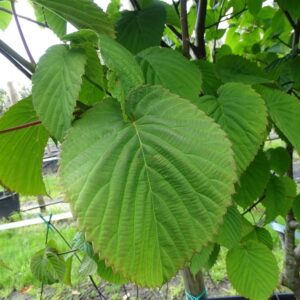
x,y
194,285
42,203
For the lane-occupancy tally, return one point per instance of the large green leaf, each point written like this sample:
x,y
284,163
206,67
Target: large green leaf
x,y
236,68
108,274
81,14
22,150
5,18
284,111
47,266
56,85
171,70
136,30
158,184
253,181
230,232
254,6
280,194
252,270
128,74
242,114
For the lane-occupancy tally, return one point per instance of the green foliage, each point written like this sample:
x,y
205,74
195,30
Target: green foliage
x,y
159,149
136,30
47,266
22,172
171,70
81,14
253,181
56,85
245,127
252,269
5,18
147,152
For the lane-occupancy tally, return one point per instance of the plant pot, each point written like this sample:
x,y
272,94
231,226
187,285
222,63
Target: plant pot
x,y
9,203
274,297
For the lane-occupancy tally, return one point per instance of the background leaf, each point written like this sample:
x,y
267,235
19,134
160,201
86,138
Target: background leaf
x,y
56,85
171,70
253,181
22,150
136,30
242,115
81,14
252,270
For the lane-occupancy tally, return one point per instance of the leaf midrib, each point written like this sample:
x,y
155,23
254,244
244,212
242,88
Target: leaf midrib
x,y
148,180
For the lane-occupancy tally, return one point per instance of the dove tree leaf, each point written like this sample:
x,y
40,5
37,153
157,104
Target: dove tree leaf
x,y
142,177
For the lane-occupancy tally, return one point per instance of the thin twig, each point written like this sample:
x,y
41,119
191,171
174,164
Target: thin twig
x,y
76,255
34,123
227,19
200,29
68,252
289,17
24,17
21,32
97,85
184,28
217,26
253,205
41,206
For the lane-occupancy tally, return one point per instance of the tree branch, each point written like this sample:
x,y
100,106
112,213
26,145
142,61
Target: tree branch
x,y
253,205
296,38
184,28
35,123
224,20
135,4
17,57
200,29
24,17
289,17
16,64
21,32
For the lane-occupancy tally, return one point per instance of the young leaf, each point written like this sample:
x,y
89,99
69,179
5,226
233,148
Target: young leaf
x,y
284,111
253,181
145,185
199,260
234,68
47,266
128,74
5,18
242,115
252,269
81,14
279,160
22,150
136,30
68,271
230,232
88,266
261,235
56,85
171,70
280,194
